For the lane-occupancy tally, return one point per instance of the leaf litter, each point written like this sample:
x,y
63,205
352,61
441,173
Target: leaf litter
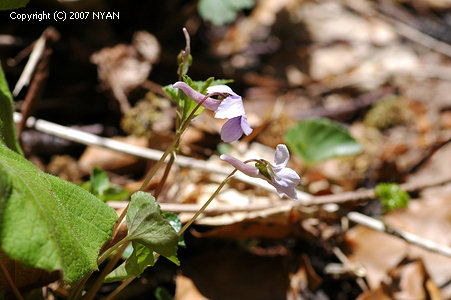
x,y
293,60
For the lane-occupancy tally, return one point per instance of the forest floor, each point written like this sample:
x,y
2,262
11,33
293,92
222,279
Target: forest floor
x,y
379,69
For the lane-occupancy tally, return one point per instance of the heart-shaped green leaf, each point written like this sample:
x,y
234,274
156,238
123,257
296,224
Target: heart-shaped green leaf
x,y
7,126
147,225
150,232
49,223
320,139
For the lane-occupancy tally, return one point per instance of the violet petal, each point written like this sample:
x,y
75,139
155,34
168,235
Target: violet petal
x,y
281,156
230,107
231,130
246,169
221,88
245,125
209,103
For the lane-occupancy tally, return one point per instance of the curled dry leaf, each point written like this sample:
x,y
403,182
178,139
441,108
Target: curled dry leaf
x,y
124,67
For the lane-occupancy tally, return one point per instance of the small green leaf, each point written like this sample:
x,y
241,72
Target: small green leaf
x,y
392,196
12,4
220,12
7,126
204,85
147,225
320,139
183,63
141,258
99,181
49,223
99,185
172,92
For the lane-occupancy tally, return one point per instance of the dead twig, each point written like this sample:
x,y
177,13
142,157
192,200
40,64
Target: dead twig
x,y
146,153
424,159
406,236
39,60
188,162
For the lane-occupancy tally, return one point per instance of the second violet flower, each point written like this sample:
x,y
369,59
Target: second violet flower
x,y
278,175
231,107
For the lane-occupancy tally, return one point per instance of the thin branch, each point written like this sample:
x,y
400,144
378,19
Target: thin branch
x,y
146,153
406,236
359,195
188,162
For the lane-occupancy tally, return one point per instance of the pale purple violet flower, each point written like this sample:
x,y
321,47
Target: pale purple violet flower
x,y
231,107
278,175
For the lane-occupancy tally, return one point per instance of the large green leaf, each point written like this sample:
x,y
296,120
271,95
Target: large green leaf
x,y
147,225
220,12
320,139
49,223
7,126
12,4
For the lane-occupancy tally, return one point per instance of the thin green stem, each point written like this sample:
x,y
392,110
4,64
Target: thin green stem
x,y
10,281
201,210
159,163
108,268
110,250
165,176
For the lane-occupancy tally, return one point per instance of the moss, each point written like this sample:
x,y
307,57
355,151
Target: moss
x,y
389,112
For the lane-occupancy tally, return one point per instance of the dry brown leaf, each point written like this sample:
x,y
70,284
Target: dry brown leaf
x,y
112,160
380,252
408,280
186,289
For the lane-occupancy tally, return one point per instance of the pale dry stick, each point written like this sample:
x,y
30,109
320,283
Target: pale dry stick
x,y
358,195
406,236
356,268
10,281
407,31
420,37
146,153
28,71
35,57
